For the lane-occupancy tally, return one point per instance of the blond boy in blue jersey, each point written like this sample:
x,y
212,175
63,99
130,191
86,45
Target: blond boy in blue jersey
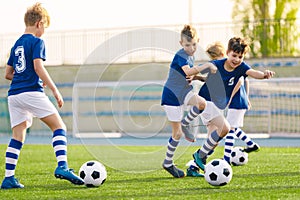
x,y
26,98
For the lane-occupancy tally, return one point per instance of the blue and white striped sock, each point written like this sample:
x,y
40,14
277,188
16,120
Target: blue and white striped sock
x,y
229,143
11,157
244,137
172,144
209,144
59,143
194,112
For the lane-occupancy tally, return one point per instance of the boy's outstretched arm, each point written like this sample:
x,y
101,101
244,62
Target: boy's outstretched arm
x,y
259,74
199,68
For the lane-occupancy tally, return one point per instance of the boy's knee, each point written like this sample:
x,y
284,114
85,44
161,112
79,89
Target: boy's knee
x,y
225,130
177,135
202,105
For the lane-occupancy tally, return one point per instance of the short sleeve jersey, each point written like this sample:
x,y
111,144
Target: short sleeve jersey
x,y
218,87
176,86
26,49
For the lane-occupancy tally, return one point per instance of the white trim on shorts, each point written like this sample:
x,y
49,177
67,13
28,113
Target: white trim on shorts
x,y
235,117
210,112
176,113
24,106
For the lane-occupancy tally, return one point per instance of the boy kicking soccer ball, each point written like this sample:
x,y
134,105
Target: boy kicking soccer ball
x,y
26,98
218,89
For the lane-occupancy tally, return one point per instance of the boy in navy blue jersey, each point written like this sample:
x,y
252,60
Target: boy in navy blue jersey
x,y
26,98
238,101
178,92
218,89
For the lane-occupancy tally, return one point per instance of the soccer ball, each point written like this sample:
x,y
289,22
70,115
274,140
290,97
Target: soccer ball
x,y
238,156
93,173
218,172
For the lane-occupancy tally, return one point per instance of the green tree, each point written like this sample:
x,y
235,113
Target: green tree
x,y
270,24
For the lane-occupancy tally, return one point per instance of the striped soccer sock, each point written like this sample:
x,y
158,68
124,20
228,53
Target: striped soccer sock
x,y
11,157
172,144
59,143
243,136
229,143
209,145
194,112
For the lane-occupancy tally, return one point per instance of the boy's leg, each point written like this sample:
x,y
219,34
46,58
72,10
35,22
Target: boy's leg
x,y
216,119
173,142
193,113
174,115
11,160
12,155
236,118
168,164
251,146
172,145
209,145
199,104
59,143
229,143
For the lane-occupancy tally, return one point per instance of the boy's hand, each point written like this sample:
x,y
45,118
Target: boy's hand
x,y
213,69
268,74
189,78
59,99
200,78
249,105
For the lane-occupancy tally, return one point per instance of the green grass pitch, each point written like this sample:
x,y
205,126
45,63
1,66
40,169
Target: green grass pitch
x,y
272,173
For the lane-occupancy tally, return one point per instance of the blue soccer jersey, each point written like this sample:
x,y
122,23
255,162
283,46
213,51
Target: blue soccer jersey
x,y
218,87
26,49
176,86
240,99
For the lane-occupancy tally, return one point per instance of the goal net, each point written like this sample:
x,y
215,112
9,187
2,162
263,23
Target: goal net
x,y
133,107
110,108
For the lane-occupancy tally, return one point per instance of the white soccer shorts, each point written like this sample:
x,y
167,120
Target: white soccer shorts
x,y
23,107
235,117
210,112
175,113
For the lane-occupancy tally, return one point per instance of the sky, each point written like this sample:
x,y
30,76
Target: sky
x,y
93,14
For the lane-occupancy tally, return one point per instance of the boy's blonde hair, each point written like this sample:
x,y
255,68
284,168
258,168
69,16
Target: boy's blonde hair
x,y
189,32
215,51
35,14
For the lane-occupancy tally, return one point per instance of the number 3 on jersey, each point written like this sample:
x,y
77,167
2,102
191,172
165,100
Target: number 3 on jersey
x,y
21,65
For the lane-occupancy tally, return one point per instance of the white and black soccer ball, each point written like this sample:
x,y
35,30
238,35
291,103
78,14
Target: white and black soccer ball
x,y
218,172
238,156
93,173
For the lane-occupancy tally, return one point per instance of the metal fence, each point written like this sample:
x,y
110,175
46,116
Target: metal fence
x,y
74,47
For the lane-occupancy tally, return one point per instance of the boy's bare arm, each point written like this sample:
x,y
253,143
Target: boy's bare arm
x,y
44,75
9,72
259,74
197,69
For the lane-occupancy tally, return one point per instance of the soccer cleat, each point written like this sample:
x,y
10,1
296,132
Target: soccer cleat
x,y
68,174
174,171
186,131
200,162
256,147
193,172
10,183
